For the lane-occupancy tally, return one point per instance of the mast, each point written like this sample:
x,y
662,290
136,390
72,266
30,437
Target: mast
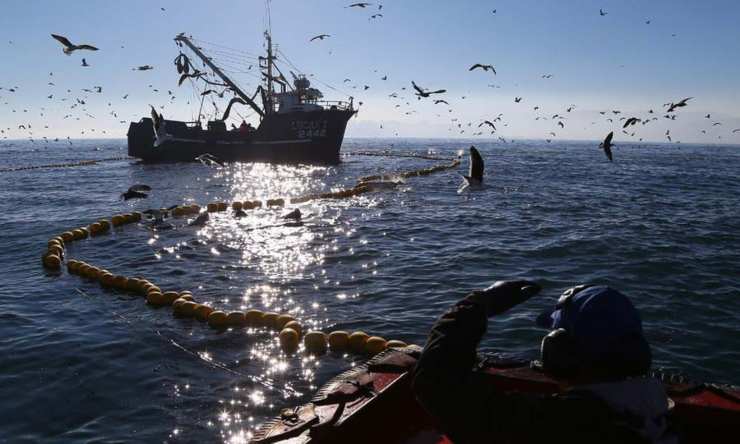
x,y
181,38
269,108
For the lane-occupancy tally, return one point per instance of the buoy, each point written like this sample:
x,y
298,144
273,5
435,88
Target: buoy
x,y
357,341
104,225
236,206
85,232
134,285
106,279
217,319
155,298
84,270
116,220
289,339
375,345
222,206
73,266
235,318
56,249
212,207
315,342
146,286
153,288
95,228
176,305
55,241
275,202
395,343
282,320
52,261
253,318
186,309
295,325
170,296
338,340
202,312
268,319
120,282
67,236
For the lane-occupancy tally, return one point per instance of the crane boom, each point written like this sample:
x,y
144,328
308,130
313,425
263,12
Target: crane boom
x,y
186,41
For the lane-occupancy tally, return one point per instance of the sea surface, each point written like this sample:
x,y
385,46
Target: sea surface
x,y
82,363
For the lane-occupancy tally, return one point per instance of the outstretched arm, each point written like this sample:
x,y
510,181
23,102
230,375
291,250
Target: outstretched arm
x,y
444,381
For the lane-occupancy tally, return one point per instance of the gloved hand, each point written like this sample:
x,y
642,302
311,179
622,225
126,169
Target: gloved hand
x,y
503,295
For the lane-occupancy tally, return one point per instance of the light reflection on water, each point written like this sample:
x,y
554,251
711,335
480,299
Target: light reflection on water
x,y
658,224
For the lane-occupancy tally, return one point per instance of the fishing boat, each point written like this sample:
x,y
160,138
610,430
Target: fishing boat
x,y
295,124
373,403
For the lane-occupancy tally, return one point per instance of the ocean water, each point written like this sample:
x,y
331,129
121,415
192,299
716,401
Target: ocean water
x,y
82,363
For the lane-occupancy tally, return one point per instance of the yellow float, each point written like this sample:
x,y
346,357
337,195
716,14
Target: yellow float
x,y
375,345
295,325
395,343
253,318
338,340
202,312
218,319
315,342
357,341
282,320
289,340
235,318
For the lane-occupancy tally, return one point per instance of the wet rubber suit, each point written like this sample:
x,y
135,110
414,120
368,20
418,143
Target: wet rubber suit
x,y
469,410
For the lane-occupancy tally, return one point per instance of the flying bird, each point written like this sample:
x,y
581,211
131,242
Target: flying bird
x,y
84,63
487,122
143,68
602,12
517,99
474,179
606,145
680,104
438,101
69,47
421,92
631,121
483,67
319,37
359,5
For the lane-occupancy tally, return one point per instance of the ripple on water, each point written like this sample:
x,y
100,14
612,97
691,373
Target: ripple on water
x,y
659,224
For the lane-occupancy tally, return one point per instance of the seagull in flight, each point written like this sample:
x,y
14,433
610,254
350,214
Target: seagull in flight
x,y
421,92
483,67
602,13
143,68
319,37
672,106
359,5
69,47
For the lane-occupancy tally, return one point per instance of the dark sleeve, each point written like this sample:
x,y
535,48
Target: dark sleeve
x,y
467,408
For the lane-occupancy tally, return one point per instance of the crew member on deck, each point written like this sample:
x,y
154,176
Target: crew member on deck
x,y
596,344
244,127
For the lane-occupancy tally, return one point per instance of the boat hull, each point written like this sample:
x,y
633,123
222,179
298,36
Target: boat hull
x,y
373,403
302,137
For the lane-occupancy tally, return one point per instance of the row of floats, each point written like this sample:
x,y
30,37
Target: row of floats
x,y
184,305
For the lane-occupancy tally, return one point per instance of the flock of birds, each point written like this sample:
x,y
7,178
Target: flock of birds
x,y
489,126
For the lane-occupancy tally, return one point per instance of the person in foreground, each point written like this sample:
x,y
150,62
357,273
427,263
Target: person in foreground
x,y
596,344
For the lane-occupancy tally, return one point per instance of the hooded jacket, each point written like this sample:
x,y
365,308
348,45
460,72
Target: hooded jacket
x,y
469,409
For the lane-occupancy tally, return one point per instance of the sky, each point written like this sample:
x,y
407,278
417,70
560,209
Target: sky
x,y
598,63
